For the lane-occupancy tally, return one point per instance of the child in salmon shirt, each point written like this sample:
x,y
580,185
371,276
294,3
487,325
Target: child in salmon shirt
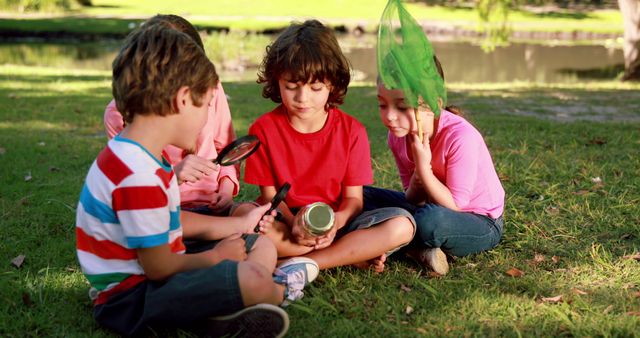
x,y
204,187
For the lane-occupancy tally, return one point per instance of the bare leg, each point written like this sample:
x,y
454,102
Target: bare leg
x,y
264,253
257,285
377,264
365,244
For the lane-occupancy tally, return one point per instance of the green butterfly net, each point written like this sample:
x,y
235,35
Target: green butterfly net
x,y
405,58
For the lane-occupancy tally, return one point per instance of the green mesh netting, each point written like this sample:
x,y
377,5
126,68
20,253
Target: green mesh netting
x,y
405,58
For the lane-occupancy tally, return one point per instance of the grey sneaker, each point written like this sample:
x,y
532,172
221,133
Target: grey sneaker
x,y
433,258
295,273
260,320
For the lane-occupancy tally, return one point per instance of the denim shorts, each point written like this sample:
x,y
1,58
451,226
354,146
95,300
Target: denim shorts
x,y
373,217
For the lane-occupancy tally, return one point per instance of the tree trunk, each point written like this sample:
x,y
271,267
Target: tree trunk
x,y
631,17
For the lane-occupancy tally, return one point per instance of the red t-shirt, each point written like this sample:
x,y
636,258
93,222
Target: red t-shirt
x,y
317,165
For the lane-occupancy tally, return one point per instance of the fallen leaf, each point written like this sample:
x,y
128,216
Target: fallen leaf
x,y
552,210
581,192
556,299
405,288
635,256
404,322
408,310
26,299
608,309
70,269
633,313
597,141
513,272
421,330
538,258
17,261
627,236
2,151
596,179
28,177
579,292
555,259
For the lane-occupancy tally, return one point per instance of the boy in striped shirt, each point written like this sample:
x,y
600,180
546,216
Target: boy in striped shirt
x,y
128,225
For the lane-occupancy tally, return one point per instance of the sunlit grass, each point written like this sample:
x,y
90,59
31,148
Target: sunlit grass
x,y
572,193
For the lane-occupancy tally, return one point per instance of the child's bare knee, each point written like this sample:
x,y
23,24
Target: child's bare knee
x,y
256,283
266,250
400,229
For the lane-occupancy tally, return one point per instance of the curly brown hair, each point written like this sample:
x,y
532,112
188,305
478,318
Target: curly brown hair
x,y
305,52
153,64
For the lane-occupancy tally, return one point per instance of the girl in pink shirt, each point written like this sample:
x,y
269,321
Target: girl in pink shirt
x,y
450,184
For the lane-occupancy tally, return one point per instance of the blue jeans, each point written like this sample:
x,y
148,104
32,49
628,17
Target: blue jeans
x,y
456,233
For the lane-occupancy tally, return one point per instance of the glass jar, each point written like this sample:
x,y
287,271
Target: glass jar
x,y
317,218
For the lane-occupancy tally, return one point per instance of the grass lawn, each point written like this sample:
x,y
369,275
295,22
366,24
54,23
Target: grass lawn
x,y
572,216
114,16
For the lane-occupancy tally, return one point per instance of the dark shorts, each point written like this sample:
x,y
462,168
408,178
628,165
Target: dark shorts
x,y
181,301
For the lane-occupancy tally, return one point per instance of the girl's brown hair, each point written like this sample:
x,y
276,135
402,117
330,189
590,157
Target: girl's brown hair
x,y
153,64
454,109
178,23
305,52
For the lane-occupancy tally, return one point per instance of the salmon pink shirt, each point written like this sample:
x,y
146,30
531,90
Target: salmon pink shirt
x,y
217,132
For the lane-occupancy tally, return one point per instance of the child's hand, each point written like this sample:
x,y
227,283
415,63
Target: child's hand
x,y
421,150
221,202
326,239
257,216
232,248
193,168
299,234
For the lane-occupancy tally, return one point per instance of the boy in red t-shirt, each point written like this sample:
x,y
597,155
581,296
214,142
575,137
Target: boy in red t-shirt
x,y
321,151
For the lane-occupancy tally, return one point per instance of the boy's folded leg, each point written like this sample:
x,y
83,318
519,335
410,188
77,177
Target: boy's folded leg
x,y
295,273
260,320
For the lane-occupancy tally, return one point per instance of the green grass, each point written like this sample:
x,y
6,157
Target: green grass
x,y
51,130
114,16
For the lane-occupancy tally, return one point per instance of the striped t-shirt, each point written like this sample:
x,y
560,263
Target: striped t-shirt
x,y
129,201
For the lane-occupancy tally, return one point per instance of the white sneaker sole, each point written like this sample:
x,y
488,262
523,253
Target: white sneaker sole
x,y
436,260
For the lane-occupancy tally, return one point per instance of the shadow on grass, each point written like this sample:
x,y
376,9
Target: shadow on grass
x,y
602,73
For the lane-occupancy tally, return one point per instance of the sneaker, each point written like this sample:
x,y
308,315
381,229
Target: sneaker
x,y
295,273
433,258
260,320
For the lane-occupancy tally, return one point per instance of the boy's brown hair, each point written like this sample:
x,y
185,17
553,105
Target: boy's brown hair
x,y
153,64
306,52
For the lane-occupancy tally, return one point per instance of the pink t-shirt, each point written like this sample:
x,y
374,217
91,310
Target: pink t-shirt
x,y
460,160
217,133
318,165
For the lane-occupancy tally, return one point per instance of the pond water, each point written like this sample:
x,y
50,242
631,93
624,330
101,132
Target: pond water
x,y
462,61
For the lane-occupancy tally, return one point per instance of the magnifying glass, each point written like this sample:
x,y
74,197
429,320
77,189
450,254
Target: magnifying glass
x,y
238,150
275,201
